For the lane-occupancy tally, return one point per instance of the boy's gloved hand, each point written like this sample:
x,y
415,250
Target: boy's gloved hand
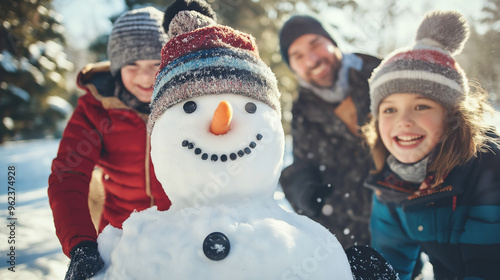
x,y
85,261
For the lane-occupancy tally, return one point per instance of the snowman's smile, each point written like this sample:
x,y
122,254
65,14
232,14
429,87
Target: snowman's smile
x,y
224,157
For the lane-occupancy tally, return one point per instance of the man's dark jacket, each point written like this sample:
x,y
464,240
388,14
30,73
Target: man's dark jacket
x,y
326,152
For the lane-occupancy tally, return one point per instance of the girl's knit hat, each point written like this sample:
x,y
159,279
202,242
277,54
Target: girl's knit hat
x,y
202,58
428,67
136,35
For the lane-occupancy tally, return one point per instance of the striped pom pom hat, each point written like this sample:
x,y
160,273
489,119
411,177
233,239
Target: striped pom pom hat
x,y
428,67
203,58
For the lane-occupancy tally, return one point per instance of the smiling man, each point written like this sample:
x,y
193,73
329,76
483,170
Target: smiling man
x,y
325,181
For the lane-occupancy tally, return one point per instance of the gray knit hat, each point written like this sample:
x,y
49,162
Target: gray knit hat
x,y
205,58
136,35
426,68
297,26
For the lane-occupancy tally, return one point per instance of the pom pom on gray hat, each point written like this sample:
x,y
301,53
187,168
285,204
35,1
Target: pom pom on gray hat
x,y
137,35
428,67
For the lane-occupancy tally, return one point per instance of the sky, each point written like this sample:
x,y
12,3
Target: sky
x,y
85,20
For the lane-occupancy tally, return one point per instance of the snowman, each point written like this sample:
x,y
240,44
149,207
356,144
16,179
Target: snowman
x,y
217,148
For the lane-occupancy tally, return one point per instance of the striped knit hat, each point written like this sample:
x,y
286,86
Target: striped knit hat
x,y
203,58
426,68
136,35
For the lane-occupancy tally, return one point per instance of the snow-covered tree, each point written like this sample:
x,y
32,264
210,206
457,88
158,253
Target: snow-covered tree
x,y
32,68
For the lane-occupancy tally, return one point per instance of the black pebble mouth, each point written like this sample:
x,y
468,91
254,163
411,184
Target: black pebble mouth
x,y
224,157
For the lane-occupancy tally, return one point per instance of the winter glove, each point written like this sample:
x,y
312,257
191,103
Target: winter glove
x,y
85,261
313,198
366,263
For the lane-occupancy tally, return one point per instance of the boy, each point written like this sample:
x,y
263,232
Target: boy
x,y
108,129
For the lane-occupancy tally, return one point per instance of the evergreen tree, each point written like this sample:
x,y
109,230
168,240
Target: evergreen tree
x,y
32,68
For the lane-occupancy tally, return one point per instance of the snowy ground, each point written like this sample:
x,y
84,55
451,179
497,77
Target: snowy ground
x,y
37,251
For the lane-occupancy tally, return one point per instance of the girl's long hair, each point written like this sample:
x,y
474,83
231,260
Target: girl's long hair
x,y
465,135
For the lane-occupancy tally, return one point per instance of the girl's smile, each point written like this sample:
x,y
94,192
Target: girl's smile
x,y
409,141
410,125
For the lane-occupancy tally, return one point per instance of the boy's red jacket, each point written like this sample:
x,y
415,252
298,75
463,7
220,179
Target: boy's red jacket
x,y
102,132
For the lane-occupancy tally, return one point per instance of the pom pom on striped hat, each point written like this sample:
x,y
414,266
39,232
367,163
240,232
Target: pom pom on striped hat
x,y
204,58
428,67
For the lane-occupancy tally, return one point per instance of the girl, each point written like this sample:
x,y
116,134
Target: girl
x,y
437,177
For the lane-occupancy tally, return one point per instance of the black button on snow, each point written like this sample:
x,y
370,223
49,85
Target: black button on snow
x,y
216,246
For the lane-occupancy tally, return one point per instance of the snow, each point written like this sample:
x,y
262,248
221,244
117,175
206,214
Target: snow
x,y
61,105
19,92
37,249
8,62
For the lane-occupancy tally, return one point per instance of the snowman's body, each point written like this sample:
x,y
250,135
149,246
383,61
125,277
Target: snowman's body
x,y
225,184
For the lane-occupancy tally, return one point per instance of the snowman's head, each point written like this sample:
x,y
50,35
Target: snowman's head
x,y
215,123
217,149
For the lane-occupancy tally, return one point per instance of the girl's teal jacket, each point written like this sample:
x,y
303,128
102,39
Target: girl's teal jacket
x,y
457,227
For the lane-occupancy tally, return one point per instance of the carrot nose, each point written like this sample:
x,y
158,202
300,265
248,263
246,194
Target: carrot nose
x,y
221,121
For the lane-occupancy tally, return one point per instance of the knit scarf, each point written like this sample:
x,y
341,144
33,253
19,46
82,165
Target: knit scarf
x,y
411,172
339,90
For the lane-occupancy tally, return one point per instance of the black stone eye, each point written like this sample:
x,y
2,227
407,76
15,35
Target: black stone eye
x,y
250,107
189,107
